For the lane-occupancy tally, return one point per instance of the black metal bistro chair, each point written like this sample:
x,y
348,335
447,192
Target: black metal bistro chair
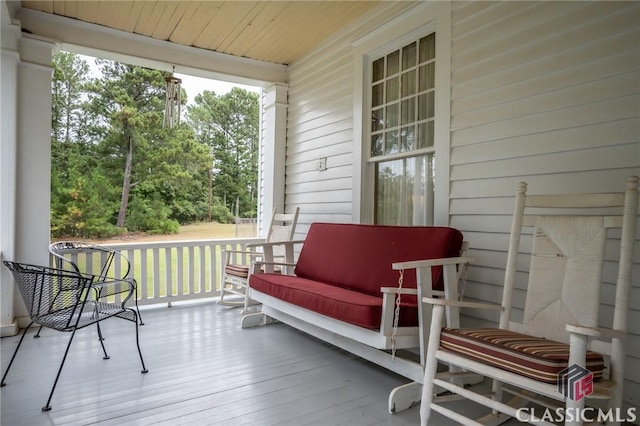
x,y
105,263
68,301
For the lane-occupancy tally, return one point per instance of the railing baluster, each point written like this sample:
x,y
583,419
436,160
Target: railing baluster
x,y
168,262
190,268
180,271
213,267
201,270
156,274
143,274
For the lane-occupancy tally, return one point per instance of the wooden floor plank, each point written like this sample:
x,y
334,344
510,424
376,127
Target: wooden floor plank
x,y
203,370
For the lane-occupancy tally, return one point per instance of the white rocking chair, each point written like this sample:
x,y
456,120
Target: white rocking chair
x,y
559,355
237,263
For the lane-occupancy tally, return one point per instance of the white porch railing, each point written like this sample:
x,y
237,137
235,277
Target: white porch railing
x,y
171,271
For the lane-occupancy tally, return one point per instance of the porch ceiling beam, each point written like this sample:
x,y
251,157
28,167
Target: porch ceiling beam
x,y
108,43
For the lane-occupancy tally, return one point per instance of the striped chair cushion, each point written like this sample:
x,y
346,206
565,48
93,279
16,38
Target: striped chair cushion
x,y
534,357
242,271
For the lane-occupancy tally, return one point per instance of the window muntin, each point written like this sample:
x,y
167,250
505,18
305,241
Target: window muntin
x,y
402,94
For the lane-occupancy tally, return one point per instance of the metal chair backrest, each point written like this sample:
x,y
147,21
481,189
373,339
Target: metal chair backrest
x,y
92,259
54,298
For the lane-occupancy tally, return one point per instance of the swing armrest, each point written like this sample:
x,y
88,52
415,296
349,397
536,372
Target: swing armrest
x,y
395,290
415,264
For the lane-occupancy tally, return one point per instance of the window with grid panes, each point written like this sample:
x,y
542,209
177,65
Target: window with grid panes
x,y
402,134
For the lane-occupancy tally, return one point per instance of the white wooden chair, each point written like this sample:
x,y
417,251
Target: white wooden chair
x,y
559,352
237,263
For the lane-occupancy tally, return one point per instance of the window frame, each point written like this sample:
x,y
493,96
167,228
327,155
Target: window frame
x,y
410,26
388,73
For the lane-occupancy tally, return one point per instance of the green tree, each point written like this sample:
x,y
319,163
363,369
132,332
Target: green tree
x,y
130,100
67,90
175,171
229,125
113,163
80,196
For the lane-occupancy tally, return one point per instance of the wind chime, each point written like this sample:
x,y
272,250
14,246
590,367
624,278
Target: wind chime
x,y
172,101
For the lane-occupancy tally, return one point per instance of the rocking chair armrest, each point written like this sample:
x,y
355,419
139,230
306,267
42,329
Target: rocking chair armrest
x,y
275,243
596,332
462,304
414,264
247,252
395,290
258,266
236,251
260,263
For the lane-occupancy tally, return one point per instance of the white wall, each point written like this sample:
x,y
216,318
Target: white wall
x,y
543,92
546,93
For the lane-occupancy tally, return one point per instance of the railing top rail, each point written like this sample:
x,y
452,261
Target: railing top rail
x,y
181,243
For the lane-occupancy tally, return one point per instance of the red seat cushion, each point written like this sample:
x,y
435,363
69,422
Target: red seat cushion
x,y
359,257
534,357
342,304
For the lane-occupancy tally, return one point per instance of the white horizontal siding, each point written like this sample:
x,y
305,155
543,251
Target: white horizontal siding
x,y
547,93
320,125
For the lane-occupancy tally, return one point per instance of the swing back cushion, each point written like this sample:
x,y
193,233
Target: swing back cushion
x,y
342,267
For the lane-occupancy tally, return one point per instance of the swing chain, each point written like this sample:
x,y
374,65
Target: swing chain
x,y
396,315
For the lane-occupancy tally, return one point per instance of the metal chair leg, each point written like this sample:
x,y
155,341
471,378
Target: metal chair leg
x,y
101,339
135,286
64,358
144,368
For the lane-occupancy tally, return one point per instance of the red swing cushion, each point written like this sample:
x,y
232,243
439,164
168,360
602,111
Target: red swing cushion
x,y
342,267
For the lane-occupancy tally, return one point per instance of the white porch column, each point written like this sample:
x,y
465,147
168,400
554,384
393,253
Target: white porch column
x,y
8,140
273,145
33,190
33,160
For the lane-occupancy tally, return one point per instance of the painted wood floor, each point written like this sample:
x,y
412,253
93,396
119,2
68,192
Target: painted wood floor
x,y
203,370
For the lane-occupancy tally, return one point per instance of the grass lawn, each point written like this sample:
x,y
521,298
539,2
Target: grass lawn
x,y
195,231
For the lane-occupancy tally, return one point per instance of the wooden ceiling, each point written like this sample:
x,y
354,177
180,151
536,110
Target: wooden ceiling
x,y
272,31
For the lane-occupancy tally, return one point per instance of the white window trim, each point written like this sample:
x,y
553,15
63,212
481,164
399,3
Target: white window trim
x,y
425,18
